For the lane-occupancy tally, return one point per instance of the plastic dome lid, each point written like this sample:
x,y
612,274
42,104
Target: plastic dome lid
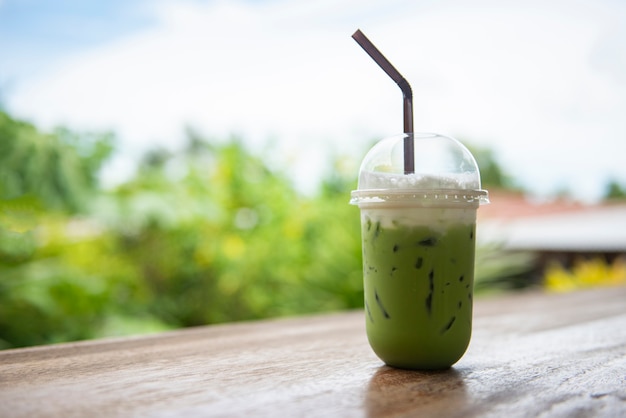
x,y
445,172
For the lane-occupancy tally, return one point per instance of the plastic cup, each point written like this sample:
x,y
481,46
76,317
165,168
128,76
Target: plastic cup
x,y
418,238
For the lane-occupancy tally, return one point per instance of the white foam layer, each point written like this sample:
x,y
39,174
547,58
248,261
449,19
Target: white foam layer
x,y
417,181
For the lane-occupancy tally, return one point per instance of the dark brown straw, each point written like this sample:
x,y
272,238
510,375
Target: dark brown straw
x,y
407,95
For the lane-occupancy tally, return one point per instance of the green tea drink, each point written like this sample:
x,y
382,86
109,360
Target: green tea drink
x,y
418,266
418,234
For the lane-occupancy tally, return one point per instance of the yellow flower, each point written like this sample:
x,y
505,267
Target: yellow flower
x,y
585,274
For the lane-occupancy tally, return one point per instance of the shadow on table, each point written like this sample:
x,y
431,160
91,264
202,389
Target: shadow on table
x,y
393,392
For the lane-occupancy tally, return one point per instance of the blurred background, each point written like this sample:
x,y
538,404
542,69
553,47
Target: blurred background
x,y
166,164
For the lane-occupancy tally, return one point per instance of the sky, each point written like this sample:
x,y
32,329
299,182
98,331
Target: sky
x,y
541,83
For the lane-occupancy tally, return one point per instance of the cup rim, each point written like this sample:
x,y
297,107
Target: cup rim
x,y
420,197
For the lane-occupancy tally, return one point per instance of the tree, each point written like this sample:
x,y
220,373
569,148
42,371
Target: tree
x,y
231,239
44,179
492,174
59,169
614,190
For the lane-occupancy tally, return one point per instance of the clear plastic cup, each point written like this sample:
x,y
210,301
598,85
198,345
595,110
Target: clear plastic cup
x,y
418,236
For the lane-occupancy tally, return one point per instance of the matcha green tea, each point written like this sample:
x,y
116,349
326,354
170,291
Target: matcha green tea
x,y
418,232
418,281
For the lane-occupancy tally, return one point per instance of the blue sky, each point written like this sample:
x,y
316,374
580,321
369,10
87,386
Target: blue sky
x,y
55,22
543,83
36,32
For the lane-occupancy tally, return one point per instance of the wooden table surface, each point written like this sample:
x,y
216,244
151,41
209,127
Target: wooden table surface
x,y
531,355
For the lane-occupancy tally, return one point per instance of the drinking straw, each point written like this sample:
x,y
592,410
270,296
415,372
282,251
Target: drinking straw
x,y
407,95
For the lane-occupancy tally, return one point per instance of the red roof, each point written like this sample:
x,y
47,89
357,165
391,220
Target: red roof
x,y
506,205
519,222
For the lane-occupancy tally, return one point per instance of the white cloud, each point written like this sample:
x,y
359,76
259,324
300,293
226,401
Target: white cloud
x,y
541,84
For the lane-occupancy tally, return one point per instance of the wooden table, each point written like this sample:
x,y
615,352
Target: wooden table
x,y
532,355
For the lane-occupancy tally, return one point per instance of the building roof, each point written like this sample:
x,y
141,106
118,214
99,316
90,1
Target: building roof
x,y
519,223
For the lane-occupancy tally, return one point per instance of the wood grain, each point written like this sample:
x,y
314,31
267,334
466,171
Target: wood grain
x,y
531,355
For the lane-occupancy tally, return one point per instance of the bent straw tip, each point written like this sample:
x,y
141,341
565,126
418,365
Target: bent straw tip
x,y
407,93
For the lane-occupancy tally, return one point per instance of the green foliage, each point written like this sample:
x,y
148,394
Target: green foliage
x,y
60,169
48,291
615,190
208,235
492,174
234,240
499,270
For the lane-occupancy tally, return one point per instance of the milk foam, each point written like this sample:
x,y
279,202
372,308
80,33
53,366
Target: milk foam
x,y
417,181
437,218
